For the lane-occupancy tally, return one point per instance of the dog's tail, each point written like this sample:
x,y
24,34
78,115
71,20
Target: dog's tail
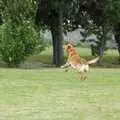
x,y
93,61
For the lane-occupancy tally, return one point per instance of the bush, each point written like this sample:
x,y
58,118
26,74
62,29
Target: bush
x,y
18,42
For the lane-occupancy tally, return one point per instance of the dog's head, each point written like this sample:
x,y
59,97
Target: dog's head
x,y
68,47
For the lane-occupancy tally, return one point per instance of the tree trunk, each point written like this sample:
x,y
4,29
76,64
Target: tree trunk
x,y
1,20
102,45
117,39
57,38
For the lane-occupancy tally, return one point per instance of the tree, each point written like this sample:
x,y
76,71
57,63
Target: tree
x,y
55,15
17,42
72,14
114,16
107,14
117,37
104,16
1,21
50,14
18,11
19,38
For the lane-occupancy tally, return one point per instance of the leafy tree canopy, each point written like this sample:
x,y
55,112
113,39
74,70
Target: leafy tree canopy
x,y
19,11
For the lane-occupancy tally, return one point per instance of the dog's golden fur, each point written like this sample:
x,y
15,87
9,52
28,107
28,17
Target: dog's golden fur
x,y
76,62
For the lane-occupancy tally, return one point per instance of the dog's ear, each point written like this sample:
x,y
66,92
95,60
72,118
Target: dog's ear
x,y
71,43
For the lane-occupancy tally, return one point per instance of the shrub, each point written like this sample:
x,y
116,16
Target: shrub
x,y
18,42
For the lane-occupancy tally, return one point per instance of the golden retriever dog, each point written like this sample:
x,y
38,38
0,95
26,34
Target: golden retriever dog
x,y
76,62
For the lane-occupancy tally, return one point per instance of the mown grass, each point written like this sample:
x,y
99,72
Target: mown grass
x,y
52,94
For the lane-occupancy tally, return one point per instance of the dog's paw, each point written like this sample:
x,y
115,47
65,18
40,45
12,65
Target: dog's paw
x,y
62,66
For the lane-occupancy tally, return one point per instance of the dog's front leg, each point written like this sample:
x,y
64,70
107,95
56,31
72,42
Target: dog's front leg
x,y
65,65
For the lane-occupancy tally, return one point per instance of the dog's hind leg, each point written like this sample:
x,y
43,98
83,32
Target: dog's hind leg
x,y
85,75
85,72
80,75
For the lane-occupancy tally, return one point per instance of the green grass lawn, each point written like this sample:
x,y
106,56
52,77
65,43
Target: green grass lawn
x,y
52,94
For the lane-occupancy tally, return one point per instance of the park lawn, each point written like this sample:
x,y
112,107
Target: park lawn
x,y
52,94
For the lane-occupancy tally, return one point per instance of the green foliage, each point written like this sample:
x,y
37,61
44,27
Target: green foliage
x,y
17,42
113,11
18,11
80,13
48,11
